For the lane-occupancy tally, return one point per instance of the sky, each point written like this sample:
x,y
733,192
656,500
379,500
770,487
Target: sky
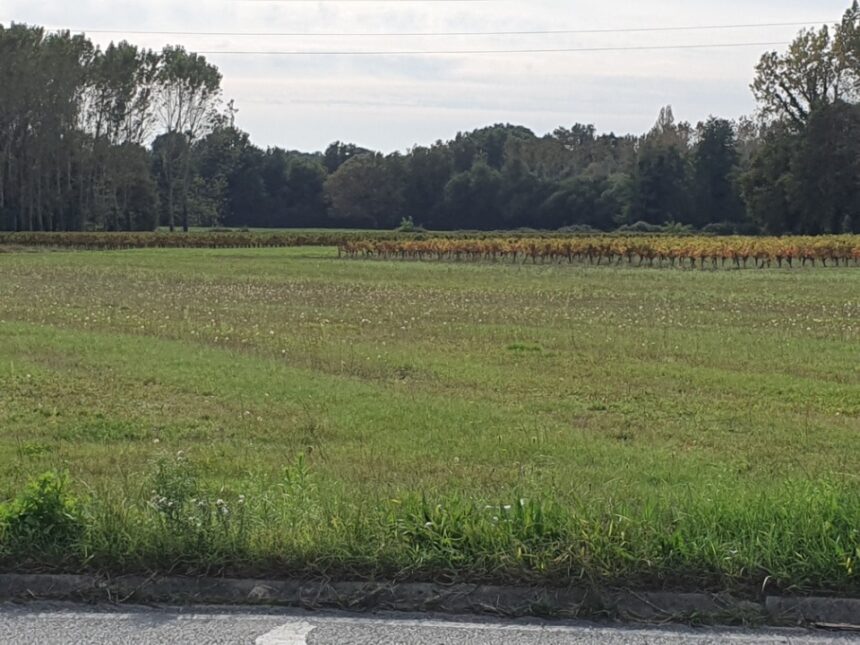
x,y
393,102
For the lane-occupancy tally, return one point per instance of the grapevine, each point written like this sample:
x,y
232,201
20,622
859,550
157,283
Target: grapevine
x,y
681,251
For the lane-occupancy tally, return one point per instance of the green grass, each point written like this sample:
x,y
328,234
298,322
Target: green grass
x,y
654,428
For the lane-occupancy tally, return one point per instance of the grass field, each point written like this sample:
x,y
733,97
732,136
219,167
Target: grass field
x,y
284,412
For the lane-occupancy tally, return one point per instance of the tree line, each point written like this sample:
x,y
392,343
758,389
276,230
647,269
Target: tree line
x,y
125,138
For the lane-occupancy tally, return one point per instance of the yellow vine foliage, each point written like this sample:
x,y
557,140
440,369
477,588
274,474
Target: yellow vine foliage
x,y
656,250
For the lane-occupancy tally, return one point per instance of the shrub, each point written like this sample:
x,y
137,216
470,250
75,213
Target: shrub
x,y
407,225
676,228
174,488
640,227
43,520
719,228
576,229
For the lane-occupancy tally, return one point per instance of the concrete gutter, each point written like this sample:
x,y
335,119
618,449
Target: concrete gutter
x,y
651,607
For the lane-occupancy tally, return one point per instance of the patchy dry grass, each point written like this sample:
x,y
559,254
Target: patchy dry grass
x,y
712,415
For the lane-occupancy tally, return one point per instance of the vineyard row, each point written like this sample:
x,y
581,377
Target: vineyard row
x,y
835,250
201,240
226,238
652,250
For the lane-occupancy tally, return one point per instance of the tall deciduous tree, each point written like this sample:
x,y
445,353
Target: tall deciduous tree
x,y
189,94
339,153
427,170
804,177
715,160
820,68
825,171
42,77
472,198
367,191
659,189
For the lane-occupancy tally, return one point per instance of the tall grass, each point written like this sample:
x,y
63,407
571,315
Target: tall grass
x,y
807,539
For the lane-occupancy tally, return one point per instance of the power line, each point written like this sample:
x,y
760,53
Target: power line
x,y
490,51
524,32
363,1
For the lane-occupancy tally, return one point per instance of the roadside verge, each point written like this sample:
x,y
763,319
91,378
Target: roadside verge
x,y
663,607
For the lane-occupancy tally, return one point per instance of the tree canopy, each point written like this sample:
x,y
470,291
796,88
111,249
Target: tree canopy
x,y
126,138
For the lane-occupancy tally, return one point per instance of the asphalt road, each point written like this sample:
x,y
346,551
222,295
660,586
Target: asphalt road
x,y
55,624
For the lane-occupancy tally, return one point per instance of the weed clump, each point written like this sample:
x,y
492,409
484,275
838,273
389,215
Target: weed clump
x,y
43,523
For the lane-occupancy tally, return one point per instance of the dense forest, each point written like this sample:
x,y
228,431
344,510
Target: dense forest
x,y
124,138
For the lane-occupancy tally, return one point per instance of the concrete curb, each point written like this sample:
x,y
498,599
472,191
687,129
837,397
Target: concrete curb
x,y
455,599
822,612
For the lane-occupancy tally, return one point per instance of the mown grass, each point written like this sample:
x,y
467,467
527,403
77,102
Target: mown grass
x,y
688,429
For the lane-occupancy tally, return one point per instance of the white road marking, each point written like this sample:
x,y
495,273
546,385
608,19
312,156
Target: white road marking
x,y
289,634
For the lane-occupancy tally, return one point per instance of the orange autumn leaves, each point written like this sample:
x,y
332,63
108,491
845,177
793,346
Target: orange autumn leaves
x,y
657,250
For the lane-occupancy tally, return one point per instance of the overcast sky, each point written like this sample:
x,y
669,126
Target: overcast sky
x,y
393,102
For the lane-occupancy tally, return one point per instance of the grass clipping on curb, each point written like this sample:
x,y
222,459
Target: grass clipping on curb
x,y
807,541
